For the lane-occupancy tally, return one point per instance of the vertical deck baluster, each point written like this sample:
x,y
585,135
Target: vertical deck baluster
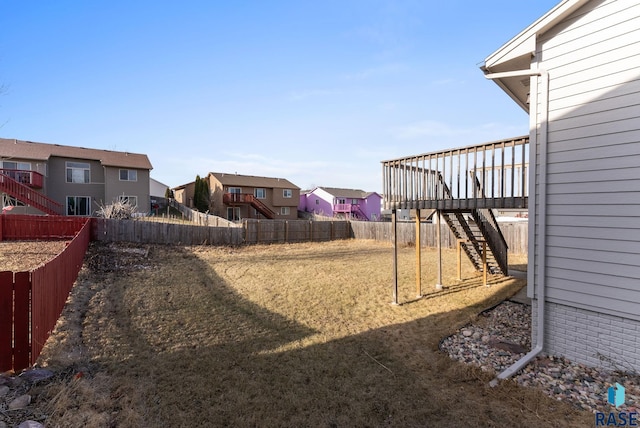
x,y
493,171
466,175
513,170
502,184
457,195
524,173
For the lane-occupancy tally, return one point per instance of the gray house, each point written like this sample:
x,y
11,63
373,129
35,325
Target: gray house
x,y
576,71
37,178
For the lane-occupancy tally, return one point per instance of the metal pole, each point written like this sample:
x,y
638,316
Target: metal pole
x,y
418,257
394,230
439,237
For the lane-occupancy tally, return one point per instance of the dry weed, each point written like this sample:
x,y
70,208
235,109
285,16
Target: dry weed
x,y
282,335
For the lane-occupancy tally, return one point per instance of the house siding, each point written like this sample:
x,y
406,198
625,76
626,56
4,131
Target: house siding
x,y
590,337
58,189
114,187
593,183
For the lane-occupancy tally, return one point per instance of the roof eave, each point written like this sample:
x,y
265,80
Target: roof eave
x,y
518,52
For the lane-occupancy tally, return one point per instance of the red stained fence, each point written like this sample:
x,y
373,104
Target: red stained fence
x,y
31,302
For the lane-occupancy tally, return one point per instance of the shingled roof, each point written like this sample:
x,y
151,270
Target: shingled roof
x,y
346,193
40,151
253,181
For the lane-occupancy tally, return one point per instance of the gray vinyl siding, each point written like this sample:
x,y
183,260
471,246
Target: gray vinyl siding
x,y
114,187
58,189
593,159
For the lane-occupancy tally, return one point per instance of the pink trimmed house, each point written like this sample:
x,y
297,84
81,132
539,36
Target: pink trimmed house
x,y
346,203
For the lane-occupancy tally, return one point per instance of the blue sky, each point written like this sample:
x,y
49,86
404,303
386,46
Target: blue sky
x,y
318,92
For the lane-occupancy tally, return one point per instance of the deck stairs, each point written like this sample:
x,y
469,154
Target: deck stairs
x,y
262,208
247,198
28,196
358,213
473,227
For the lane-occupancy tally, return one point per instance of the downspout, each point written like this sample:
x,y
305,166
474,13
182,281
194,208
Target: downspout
x,y
539,137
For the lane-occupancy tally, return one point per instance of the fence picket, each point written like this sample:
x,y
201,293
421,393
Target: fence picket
x,y
6,320
21,315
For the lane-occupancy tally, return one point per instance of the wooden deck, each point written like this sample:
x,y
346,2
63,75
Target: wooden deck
x,y
490,175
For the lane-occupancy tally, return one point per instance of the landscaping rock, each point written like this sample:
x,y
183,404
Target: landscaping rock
x,y
20,402
507,327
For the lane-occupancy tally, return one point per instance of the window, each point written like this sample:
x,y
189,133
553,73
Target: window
x,y
78,172
10,201
233,213
342,201
15,171
78,205
260,193
317,201
25,166
128,175
287,193
354,202
131,200
235,190
284,210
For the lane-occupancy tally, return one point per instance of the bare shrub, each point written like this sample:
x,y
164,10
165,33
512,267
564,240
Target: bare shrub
x,y
118,210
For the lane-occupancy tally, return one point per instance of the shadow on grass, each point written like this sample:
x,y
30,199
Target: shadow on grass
x,y
242,365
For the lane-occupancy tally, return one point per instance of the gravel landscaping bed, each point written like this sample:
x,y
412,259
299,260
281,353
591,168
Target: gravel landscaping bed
x,y
502,335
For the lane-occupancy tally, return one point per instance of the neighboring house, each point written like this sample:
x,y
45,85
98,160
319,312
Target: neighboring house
x,y
37,178
236,197
157,189
184,194
576,71
347,203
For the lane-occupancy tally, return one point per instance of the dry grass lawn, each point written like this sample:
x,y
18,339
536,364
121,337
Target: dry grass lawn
x,y
297,335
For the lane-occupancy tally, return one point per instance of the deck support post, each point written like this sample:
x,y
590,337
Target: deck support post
x,y
394,238
460,241
418,256
484,263
439,239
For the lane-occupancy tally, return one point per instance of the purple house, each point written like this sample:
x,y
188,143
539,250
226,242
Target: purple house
x,y
347,203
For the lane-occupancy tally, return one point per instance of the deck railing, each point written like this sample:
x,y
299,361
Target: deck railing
x,y
29,178
490,175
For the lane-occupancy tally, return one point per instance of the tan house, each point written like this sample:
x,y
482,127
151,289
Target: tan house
x,y
234,196
37,178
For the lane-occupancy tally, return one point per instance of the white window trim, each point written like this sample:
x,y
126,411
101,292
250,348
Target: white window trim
x,y
264,194
285,211
67,168
124,198
287,193
234,209
128,174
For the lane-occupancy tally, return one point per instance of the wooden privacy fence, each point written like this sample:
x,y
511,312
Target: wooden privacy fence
x,y
149,232
21,227
515,234
31,302
248,232
202,219
281,231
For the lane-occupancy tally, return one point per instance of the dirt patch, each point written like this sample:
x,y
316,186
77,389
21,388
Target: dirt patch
x,y
20,256
283,335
